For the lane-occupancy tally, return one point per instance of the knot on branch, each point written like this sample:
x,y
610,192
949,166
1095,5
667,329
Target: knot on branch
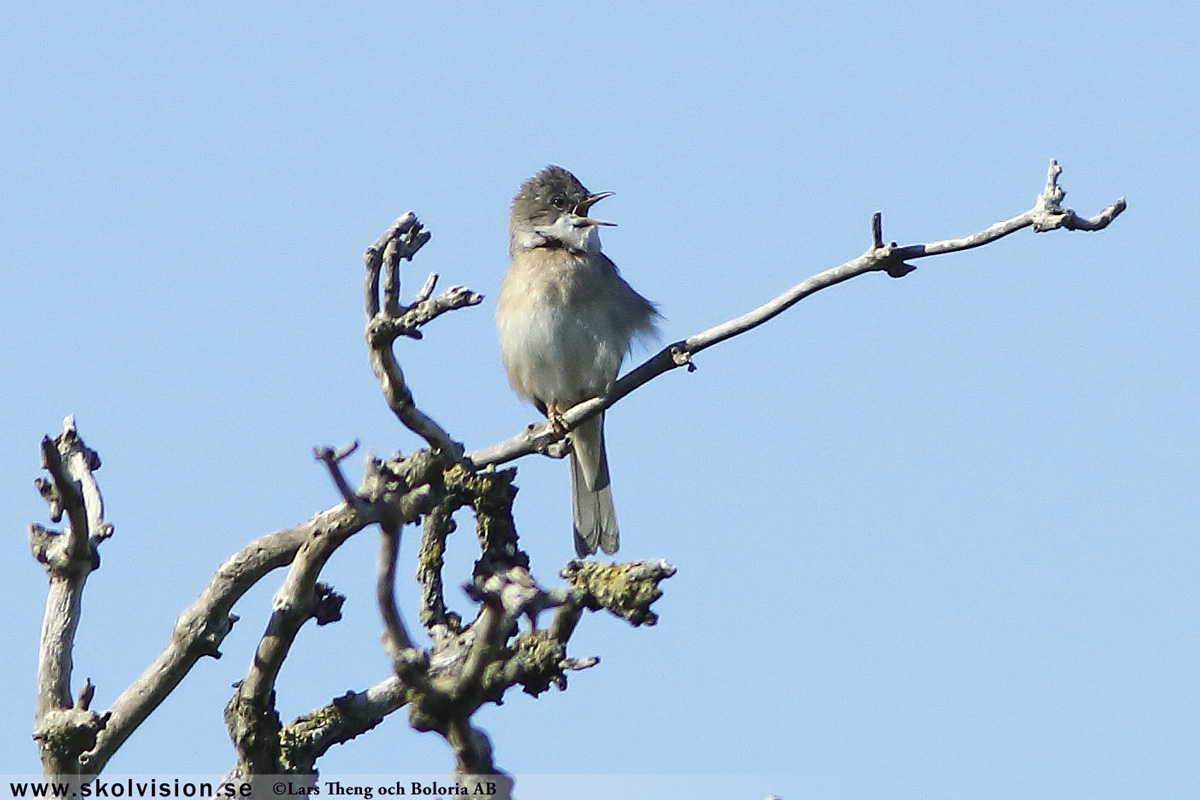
x,y
885,256
682,357
412,667
207,642
515,593
254,726
65,735
52,550
52,496
626,590
401,489
537,662
328,605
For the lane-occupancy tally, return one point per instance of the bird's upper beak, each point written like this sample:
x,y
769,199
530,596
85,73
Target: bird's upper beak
x,y
581,210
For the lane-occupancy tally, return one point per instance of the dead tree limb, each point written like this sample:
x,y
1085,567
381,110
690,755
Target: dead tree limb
x,y
64,727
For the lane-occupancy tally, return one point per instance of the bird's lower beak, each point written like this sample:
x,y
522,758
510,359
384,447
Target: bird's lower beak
x,y
582,209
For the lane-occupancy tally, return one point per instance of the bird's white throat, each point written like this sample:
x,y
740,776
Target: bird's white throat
x,y
568,230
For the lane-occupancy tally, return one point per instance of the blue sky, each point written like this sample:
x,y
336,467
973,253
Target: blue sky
x,y
935,536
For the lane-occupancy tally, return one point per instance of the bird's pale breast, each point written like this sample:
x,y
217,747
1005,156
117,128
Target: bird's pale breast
x,y
559,338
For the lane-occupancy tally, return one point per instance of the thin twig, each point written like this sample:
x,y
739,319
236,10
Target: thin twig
x,y
333,462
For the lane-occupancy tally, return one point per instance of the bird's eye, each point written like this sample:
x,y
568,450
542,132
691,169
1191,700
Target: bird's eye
x,y
560,203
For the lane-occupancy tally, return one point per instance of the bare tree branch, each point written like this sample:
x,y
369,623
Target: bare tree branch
x,y
625,590
401,241
393,493
309,737
395,636
477,663
410,237
439,524
467,666
333,460
1046,214
395,489
202,627
64,728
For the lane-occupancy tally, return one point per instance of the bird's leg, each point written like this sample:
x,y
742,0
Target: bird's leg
x,y
556,420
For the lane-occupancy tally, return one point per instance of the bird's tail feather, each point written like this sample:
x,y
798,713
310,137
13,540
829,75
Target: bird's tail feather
x,y
591,492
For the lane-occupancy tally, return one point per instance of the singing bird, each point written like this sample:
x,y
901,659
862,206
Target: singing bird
x,y
567,320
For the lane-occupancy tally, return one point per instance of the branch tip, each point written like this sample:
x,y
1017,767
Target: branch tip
x,y
427,289
85,695
333,462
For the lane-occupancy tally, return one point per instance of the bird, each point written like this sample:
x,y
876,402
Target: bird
x,y
567,319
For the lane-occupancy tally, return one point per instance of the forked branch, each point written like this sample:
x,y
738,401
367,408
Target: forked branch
x,y
64,728
387,320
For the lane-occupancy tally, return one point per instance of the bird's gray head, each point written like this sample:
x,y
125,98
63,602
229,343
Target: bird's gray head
x,y
551,211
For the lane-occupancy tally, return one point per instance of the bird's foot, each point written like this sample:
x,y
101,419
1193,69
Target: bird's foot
x,y
557,423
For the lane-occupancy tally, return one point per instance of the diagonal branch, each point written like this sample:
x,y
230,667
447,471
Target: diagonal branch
x,y
1047,214
392,489
393,493
333,462
253,723
203,626
309,737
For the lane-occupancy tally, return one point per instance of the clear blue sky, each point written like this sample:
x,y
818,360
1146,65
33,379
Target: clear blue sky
x,y
936,537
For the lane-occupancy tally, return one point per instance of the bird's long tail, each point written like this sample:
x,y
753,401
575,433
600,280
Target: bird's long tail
x,y
591,493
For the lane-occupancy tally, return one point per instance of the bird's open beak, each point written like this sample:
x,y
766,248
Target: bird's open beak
x,y
581,210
